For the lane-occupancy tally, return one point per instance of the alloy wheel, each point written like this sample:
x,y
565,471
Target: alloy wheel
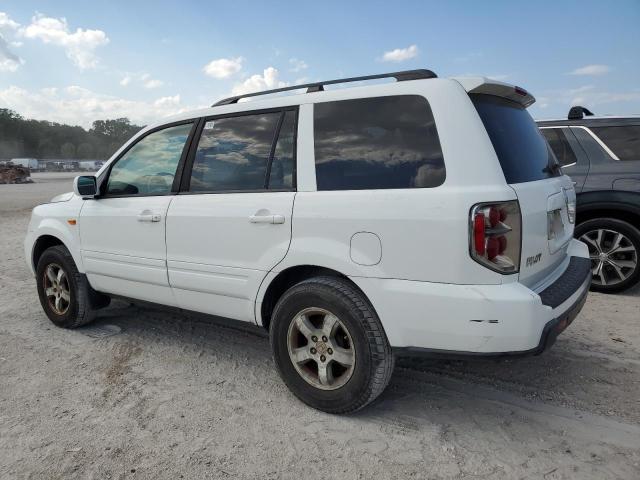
x,y
56,288
613,256
321,349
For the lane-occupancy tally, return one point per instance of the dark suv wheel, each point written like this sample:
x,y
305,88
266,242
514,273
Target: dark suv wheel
x,y
614,246
329,345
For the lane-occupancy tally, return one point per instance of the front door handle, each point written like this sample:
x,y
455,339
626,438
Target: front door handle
x,y
149,217
275,219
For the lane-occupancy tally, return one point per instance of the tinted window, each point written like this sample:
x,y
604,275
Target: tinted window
x,y
233,153
560,146
149,166
521,149
373,143
623,141
281,175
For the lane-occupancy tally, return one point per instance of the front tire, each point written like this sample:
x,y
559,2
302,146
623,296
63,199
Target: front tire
x,y
614,250
65,294
329,345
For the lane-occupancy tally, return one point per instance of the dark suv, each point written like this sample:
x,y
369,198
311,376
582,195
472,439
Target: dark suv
x,y
602,156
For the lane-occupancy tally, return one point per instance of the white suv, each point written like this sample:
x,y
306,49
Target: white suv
x,y
425,215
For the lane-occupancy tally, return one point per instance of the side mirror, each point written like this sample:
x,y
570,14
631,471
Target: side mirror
x,y
85,186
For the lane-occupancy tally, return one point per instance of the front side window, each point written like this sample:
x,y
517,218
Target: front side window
x,y
624,141
148,168
377,143
238,154
560,146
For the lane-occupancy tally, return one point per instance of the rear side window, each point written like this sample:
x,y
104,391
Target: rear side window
x,y
236,153
377,143
624,141
521,149
560,146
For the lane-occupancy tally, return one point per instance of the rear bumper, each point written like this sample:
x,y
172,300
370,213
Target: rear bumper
x,y
485,320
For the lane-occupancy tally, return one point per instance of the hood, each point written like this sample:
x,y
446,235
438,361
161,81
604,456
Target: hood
x,y
63,197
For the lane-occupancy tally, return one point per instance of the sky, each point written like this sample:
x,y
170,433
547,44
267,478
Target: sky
x,y
76,61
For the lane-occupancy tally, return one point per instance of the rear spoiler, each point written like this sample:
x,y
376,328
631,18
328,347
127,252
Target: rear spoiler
x,y
493,87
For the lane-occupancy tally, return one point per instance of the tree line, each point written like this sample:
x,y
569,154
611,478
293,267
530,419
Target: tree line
x,y
20,137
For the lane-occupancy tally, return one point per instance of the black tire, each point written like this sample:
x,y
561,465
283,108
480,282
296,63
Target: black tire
x,y
373,364
618,226
78,311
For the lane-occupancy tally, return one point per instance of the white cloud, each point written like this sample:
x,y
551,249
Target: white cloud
x,y
143,79
6,23
223,67
76,105
79,46
148,82
153,83
268,80
400,54
9,61
297,65
592,70
600,101
170,102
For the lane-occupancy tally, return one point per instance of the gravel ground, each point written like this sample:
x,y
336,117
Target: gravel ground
x,y
178,395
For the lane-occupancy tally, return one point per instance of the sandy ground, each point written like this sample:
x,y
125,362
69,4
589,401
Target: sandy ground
x,y
177,395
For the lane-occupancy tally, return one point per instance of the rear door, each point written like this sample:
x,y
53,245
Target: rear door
x,y
569,153
231,223
544,194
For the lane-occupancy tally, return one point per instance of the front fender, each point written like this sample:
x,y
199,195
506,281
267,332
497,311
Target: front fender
x,y
53,219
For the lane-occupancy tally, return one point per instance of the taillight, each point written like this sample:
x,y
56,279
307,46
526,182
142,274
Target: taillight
x,y
495,235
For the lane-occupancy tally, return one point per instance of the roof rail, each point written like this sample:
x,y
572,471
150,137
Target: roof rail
x,y
319,86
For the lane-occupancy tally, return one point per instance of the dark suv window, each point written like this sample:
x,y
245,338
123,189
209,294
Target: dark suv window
x,y
377,143
560,146
239,154
624,141
522,150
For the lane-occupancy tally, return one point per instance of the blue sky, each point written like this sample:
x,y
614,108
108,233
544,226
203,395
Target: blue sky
x,y
77,61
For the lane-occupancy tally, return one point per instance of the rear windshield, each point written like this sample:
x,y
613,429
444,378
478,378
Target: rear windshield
x,y
523,152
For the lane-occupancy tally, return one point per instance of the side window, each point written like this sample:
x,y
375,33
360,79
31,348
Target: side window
x,y
149,166
377,143
281,175
560,146
624,141
233,154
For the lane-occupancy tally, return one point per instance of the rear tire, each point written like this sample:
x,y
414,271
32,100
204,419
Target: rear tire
x,y
350,361
65,293
614,268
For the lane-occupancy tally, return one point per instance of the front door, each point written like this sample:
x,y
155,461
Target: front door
x,y
122,231
232,224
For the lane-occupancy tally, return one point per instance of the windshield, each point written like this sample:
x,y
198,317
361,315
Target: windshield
x,y
523,152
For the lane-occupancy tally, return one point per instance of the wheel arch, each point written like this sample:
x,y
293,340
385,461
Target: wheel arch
x,y
47,238
619,205
277,283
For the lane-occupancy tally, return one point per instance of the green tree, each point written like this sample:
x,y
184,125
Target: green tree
x,y
20,137
68,150
85,151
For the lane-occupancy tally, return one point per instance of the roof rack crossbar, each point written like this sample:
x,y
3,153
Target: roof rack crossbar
x,y
319,86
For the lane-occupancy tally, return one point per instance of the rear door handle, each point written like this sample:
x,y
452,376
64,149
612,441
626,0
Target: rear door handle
x,y
275,219
149,217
